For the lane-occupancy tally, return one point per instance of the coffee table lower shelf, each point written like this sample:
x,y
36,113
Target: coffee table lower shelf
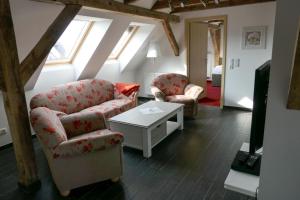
x,y
140,137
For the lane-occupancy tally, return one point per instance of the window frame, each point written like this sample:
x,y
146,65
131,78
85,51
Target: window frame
x,y
120,51
76,48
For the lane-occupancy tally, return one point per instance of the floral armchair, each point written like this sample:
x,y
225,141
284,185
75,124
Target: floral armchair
x,y
176,88
70,123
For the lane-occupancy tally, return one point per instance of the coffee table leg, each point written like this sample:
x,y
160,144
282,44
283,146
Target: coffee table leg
x,y
147,152
180,118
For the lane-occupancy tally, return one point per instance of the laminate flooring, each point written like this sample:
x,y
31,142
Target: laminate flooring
x,y
188,165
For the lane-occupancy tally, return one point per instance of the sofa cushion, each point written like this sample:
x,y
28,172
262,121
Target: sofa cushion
x,y
180,99
87,143
82,122
76,96
171,84
112,107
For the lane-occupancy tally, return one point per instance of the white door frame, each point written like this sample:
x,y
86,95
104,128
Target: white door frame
x,y
187,37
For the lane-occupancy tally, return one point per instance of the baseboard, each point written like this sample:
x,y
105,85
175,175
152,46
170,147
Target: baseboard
x,y
238,108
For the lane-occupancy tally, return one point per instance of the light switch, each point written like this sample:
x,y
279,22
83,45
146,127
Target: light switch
x,y
232,64
237,62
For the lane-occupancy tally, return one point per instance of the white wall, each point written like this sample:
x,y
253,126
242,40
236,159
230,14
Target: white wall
x,y
31,19
239,81
280,176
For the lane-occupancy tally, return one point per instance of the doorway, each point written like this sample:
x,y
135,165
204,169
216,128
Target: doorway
x,y
206,41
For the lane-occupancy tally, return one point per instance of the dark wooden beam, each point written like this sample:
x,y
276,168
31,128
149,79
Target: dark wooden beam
x,y
222,4
129,1
14,100
171,37
115,6
47,41
160,4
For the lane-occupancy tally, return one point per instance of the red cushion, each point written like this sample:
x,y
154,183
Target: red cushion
x,y
127,88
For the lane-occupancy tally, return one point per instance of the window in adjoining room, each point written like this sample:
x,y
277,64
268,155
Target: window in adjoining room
x,y
124,40
69,43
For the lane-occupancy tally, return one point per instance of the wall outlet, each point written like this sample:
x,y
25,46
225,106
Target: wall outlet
x,y
3,131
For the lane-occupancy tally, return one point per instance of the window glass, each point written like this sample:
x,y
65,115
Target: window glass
x,y
124,40
69,42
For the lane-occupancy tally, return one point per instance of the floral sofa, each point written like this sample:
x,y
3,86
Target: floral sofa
x,y
176,88
70,123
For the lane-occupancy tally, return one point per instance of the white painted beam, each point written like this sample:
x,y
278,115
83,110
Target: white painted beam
x,y
102,52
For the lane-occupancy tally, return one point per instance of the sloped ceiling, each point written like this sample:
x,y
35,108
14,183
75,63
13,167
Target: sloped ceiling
x,y
118,25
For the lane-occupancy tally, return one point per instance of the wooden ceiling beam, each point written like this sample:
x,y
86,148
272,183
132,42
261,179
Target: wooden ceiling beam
x,y
15,101
118,7
115,6
222,4
129,1
47,41
171,37
160,4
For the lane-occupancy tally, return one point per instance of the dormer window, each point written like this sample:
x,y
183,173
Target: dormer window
x,y
124,40
69,43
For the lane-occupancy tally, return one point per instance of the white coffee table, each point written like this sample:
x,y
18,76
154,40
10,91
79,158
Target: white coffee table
x,y
146,125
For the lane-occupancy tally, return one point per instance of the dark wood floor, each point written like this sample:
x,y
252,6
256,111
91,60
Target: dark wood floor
x,y
188,165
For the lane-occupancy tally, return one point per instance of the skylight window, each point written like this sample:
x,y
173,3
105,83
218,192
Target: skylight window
x,y
69,43
124,40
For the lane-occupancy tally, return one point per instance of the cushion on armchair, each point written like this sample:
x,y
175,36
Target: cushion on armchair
x,y
180,99
82,122
87,143
171,84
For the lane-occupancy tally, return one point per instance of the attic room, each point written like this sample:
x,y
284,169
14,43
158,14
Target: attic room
x,y
149,99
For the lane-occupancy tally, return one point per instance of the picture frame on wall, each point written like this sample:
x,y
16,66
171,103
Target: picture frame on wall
x,y
254,37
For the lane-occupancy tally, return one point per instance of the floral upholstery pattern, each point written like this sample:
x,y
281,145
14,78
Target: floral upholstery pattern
x,y
159,95
180,99
112,107
87,143
48,126
176,88
193,91
171,84
51,133
75,96
70,116
70,123
82,122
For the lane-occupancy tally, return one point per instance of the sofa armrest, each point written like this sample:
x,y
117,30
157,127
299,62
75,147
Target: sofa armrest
x,y
158,94
48,127
87,143
193,91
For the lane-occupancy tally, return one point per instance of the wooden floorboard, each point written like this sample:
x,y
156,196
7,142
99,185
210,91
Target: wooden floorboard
x,y
188,165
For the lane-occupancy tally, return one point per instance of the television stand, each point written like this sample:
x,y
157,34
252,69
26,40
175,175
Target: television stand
x,y
242,182
247,163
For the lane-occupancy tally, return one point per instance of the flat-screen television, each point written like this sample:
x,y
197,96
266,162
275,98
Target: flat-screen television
x,y
249,162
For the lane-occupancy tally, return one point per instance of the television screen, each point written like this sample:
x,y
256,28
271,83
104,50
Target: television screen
x,y
260,96
249,162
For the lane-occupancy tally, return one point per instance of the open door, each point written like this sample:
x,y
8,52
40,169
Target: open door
x,y
198,36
